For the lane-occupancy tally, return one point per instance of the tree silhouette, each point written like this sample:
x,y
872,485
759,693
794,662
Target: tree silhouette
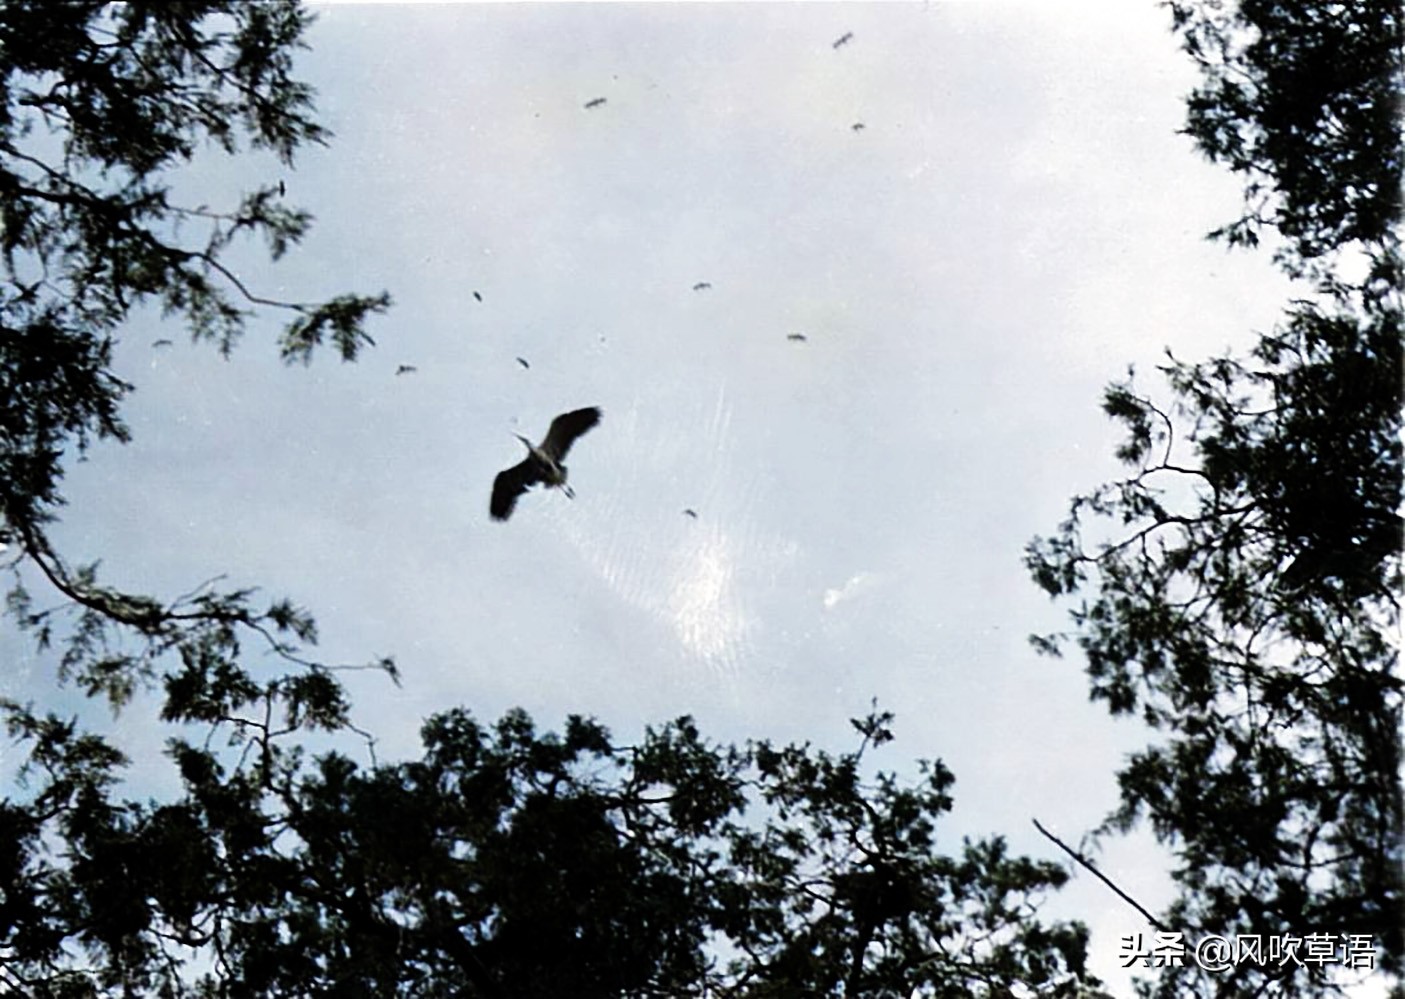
x,y
1302,99
1239,588
508,863
102,103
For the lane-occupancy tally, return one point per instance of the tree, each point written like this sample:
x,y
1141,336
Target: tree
x,y
101,103
1239,587
1302,100
502,862
507,863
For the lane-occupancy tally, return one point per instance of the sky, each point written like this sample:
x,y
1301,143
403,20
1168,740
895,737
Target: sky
x,y
1016,222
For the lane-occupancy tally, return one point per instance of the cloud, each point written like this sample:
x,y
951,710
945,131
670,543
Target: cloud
x,y
856,584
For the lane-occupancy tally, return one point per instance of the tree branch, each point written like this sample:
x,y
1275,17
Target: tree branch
x,y
1088,864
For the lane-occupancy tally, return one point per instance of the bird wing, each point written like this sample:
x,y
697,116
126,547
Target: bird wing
x,y
510,484
566,428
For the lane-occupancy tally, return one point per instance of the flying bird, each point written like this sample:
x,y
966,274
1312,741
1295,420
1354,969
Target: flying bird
x,y
282,189
161,343
594,103
858,126
691,513
477,297
797,337
702,286
844,39
543,463
406,369
523,361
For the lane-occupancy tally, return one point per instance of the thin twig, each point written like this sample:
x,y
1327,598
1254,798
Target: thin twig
x,y
1101,876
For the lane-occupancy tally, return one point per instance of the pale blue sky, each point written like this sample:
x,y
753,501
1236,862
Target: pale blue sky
x,y
1016,222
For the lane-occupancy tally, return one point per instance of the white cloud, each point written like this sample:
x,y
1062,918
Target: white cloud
x,y
859,583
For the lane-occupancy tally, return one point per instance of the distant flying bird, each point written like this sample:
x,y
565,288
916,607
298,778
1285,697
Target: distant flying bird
x,y
594,103
406,369
543,463
858,126
282,189
477,297
702,286
691,513
844,39
523,361
797,337
161,343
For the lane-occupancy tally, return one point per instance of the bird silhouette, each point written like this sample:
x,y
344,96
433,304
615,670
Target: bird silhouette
x,y
477,297
523,361
161,343
594,103
843,39
282,189
797,337
406,369
858,126
689,511
543,463
702,286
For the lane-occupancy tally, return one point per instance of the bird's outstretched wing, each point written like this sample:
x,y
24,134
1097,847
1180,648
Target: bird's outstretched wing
x,y
510,484
566,428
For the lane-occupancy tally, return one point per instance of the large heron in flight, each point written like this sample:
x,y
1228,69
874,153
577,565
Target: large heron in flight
x,y
543,462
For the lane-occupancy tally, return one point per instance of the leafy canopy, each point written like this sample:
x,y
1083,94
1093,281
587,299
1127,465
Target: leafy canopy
x,y
1239,588
510,863
102,104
